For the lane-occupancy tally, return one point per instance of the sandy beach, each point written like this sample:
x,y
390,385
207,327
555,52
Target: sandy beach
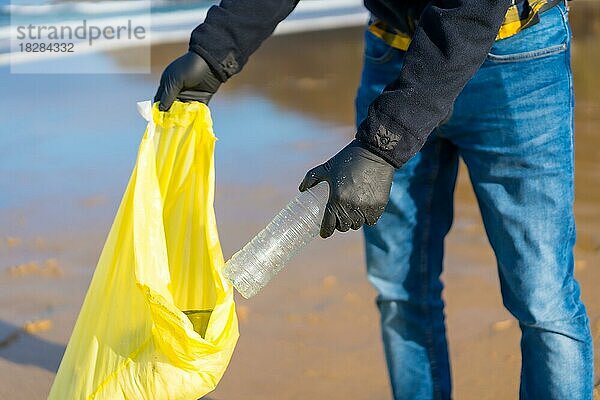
x,y
67,147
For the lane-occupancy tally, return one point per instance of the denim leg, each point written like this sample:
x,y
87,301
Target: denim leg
x,y
513,125
404,250
525,193
404,260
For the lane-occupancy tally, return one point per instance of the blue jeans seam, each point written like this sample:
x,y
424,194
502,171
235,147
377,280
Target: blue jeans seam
x,y
425,271
572,228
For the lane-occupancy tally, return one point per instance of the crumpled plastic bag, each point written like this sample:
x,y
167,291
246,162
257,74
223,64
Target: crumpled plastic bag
x,y
158,321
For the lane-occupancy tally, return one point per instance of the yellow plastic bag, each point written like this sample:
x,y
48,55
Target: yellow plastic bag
x,y
158,321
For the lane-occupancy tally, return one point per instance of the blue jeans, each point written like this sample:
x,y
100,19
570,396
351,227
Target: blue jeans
x,y
513,127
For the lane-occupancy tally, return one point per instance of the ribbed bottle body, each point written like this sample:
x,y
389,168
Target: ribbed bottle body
x,y
251,268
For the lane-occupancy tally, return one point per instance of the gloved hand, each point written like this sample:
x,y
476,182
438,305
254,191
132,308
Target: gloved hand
x,y
359,188
188,78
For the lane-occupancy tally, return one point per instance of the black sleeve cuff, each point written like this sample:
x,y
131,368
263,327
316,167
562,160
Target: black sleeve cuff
x,y
389,139
223,69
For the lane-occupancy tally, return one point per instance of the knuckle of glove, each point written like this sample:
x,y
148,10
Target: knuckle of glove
x,y
311,178
357,220
343,226
374,213
313,174
343,223
348,212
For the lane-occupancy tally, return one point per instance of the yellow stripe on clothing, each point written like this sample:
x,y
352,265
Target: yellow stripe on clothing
x,y
512,25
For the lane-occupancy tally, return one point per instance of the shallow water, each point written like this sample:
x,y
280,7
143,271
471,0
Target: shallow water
x,y
293,106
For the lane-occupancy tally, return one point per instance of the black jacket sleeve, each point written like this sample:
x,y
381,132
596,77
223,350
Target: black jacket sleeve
x,y
234,29
449,45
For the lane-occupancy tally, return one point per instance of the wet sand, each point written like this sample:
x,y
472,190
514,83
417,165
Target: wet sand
x,y
67,145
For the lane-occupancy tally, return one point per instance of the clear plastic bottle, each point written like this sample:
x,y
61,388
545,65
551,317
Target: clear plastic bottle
x,y
251,268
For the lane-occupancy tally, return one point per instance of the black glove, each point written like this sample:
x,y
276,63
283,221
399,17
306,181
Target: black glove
x,y
188,78
359,188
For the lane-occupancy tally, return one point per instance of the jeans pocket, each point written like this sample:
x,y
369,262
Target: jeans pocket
x,y
550,36
377,51
530,55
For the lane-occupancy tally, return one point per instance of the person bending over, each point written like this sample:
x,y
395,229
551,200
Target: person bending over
x,y
485,80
